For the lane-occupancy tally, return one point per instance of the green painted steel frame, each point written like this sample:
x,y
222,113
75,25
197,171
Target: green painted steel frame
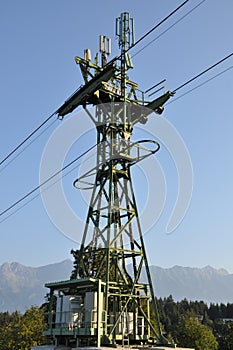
x,y
101,263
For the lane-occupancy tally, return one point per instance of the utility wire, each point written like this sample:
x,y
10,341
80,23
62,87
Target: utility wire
x,y
31,142
21,207
170,27
157,25
46,181
198,86
27,138
203,72
38,194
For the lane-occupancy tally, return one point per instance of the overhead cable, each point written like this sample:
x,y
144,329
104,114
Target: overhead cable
x,y
46,181
38,194
198,86
170,27
157,25
203,72
31,142
27,138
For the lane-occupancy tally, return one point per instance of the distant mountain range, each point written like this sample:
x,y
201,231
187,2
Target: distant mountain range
x,y
207,284
23,286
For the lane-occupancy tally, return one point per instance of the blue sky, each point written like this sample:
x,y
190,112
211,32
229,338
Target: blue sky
x,y
39,41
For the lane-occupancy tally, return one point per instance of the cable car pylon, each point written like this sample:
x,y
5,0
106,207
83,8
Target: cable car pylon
x,y
108,301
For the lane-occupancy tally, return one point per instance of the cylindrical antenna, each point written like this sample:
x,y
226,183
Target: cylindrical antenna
x,y
125,34
104,48
87,55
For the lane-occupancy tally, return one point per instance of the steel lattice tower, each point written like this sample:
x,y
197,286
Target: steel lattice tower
x,y
107,302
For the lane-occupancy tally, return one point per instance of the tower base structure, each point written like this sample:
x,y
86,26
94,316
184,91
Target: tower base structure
x,y
77,317
78,321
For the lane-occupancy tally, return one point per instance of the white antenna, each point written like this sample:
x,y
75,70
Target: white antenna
x,y
105,48
87,55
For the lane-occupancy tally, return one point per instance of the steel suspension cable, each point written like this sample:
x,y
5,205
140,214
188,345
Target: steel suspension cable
x,y
46,181
203,72
157,25
199,85
27,138
38,194
170,27
26,146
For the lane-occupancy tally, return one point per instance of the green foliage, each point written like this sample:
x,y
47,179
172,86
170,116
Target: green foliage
x,y
192,333
21,332
188,323
224,334
173,315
